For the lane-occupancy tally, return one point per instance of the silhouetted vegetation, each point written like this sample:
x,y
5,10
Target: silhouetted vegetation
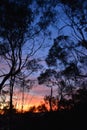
x,y
71,117
24,27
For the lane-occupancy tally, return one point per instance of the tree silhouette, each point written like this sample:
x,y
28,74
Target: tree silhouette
x,y
65,56
68,52
47,78
52,78
42,108
24,84
80,99
76,13
4,103
18,27
54,102
32,109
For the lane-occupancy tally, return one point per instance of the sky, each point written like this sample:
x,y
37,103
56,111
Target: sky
x,y
33,97
36,94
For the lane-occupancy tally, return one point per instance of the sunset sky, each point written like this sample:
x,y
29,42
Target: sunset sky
x,y
32,98
36,47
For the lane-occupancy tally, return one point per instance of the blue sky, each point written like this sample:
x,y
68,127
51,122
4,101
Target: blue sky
x,y
46,42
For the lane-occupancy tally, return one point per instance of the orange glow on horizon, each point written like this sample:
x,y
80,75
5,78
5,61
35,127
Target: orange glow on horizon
x,y
33,98
29,101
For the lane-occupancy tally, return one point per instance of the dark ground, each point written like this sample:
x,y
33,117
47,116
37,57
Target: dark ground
x,y
61,120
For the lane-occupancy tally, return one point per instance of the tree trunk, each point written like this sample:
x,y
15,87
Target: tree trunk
x,y
11,102
50,100
22,107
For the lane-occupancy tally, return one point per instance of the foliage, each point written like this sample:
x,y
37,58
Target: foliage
x,y
18,26
47,77
21,22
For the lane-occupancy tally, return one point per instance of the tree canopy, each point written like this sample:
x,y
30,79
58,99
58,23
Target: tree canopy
x,y
20,22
